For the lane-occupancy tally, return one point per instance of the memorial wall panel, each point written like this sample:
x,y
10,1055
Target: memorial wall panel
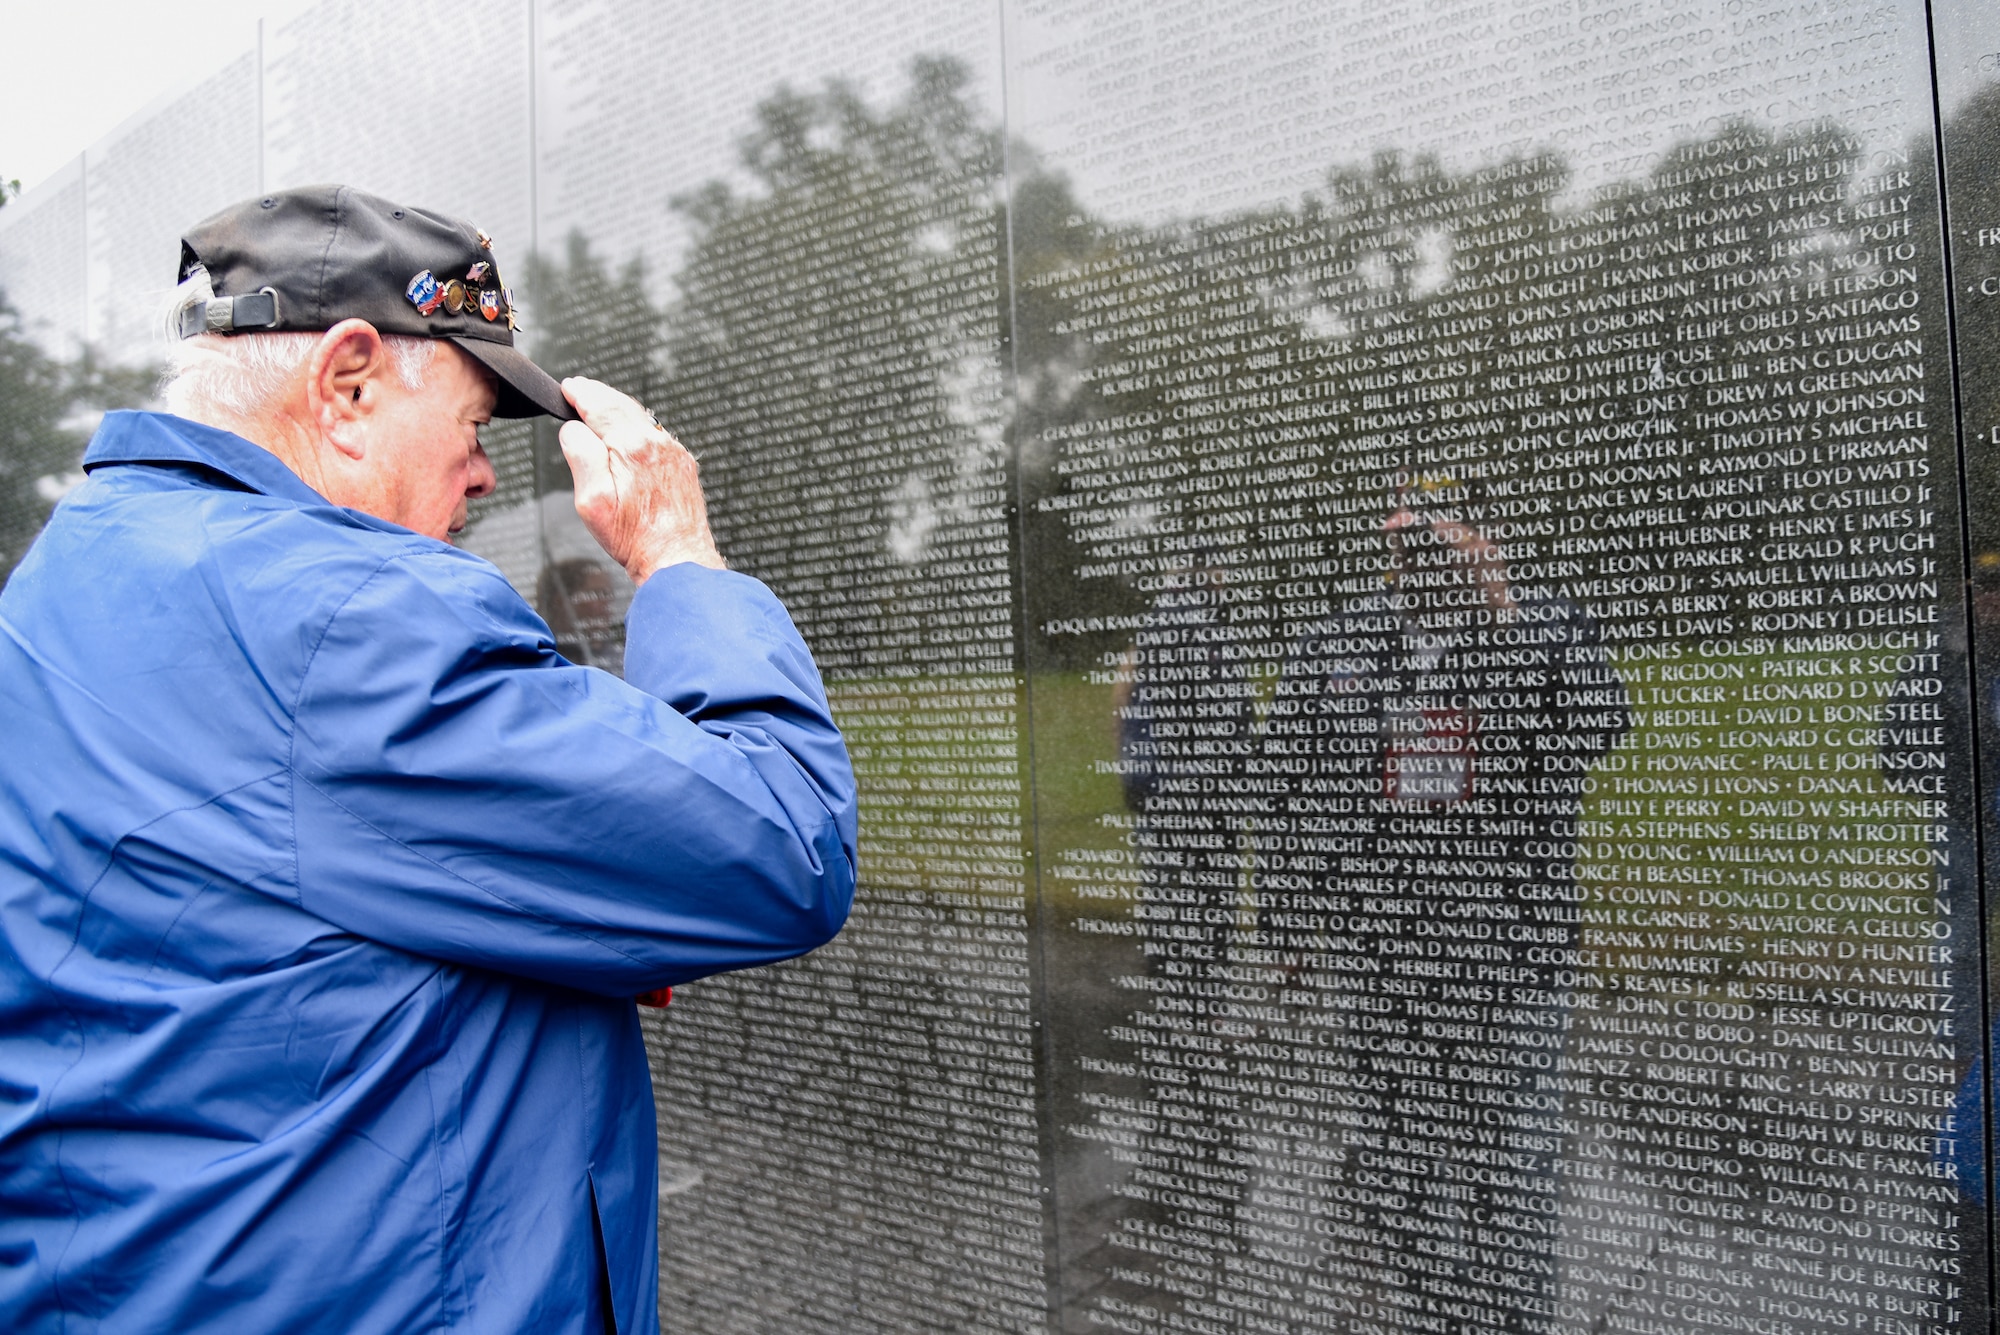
x,y
1407,585
1506,577
1967,46
808,287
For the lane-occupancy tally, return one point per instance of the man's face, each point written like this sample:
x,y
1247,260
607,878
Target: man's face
x,y
424,453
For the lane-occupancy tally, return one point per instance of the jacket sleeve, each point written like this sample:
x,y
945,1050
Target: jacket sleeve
x,y
463,793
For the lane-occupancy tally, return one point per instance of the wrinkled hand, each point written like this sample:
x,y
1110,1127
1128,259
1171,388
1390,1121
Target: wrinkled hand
x,y
637,490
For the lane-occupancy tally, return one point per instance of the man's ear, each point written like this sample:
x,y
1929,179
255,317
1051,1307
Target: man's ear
x,y
343,382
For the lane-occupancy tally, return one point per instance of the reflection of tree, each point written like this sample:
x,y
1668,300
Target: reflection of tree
x,y
590,320
823,344
47,411
1412,317
34,447
1052,236
585,318
833,357
1274,314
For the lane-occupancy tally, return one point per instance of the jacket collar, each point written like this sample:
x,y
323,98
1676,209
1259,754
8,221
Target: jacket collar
x,y
159,438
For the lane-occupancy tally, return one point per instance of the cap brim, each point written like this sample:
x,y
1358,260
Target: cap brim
x,y
526,390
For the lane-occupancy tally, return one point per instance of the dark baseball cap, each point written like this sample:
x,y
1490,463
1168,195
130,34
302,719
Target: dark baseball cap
x,y
304,260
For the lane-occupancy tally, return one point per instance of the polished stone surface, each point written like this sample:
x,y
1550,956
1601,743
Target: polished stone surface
x,y
1401,579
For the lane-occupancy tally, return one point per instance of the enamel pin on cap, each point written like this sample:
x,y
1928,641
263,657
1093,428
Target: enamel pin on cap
x,y
424,292
473,294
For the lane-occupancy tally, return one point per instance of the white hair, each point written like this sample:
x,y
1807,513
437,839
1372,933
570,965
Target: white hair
x,y
237,376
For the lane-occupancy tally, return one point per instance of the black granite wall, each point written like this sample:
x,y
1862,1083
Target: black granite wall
x,y
1413,588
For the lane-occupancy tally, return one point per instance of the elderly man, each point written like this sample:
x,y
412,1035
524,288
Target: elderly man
x,y
326,884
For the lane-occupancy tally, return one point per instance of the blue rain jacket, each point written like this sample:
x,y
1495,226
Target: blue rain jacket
x,y
325,885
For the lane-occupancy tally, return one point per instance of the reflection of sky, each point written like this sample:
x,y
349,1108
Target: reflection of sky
x,y
1968,49
638,103
632,101
1153,110
1158,111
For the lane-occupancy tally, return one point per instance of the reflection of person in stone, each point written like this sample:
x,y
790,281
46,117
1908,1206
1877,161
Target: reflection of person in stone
x,y
326,884
1183,710
1184,716
1927,700
578,598
1428,744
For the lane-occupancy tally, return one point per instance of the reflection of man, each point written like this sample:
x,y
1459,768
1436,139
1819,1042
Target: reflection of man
x,y
325,883
1435,737
578,599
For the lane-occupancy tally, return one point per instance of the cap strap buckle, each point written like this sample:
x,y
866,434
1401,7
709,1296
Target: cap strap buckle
x,y
225,315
